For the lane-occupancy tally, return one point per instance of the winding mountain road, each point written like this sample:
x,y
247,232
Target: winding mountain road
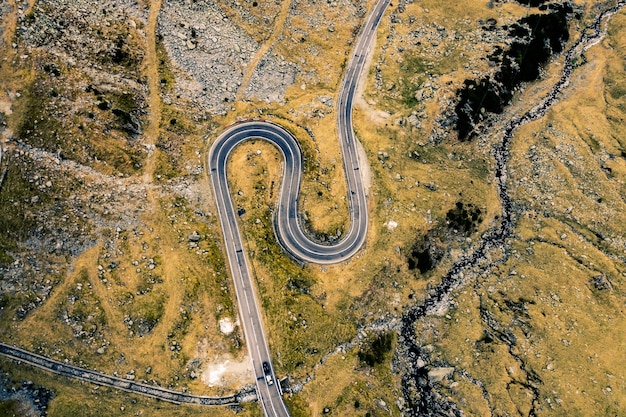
x,y
288,230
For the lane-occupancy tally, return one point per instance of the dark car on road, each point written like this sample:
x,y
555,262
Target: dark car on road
x,y
268,373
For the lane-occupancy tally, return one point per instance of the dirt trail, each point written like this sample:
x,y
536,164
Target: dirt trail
x,y
256,58
31,6
150,137
151,68
8,28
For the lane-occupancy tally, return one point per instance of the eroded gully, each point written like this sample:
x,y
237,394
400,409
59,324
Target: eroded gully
x,y
420,398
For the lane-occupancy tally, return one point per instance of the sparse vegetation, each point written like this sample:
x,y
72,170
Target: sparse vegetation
x,y
148,255
376,350
544,35
463,219
78,135
15,222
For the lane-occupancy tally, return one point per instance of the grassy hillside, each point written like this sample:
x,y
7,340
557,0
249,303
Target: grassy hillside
x,y
110,247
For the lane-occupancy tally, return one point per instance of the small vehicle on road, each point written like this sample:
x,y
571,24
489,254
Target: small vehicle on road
x,y
268,373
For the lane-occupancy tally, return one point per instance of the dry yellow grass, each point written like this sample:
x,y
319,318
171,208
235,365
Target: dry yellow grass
x,y
184,292
561,330
346,388
72,398
574,329
559,291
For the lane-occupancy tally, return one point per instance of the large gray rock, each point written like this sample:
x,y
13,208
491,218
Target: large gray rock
x,y
436,375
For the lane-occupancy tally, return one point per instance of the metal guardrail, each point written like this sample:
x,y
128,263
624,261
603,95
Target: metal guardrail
x,y
100,378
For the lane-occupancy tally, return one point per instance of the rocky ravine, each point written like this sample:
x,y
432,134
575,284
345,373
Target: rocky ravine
x,y
208,50
421,395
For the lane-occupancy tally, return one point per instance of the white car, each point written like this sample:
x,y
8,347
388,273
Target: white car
x,y
268,373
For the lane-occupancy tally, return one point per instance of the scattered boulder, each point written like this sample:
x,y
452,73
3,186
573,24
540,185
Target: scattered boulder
x,y
128,122
436,375
601,282
194,237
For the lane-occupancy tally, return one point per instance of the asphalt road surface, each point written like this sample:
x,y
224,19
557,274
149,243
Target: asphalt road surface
x,y
289,232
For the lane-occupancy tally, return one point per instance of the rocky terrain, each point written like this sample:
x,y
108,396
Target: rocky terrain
x,y
23,399
213,54
492,281
212,51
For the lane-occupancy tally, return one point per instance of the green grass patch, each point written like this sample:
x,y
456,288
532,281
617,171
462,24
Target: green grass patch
x,y
376,349
414,70
10,408
36,125
167,79
15,196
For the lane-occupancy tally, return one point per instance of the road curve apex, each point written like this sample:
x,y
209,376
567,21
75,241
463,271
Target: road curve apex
x,y
287,221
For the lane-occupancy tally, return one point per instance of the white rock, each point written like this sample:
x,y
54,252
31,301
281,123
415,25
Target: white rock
x,y
226,325
438,374
391,225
